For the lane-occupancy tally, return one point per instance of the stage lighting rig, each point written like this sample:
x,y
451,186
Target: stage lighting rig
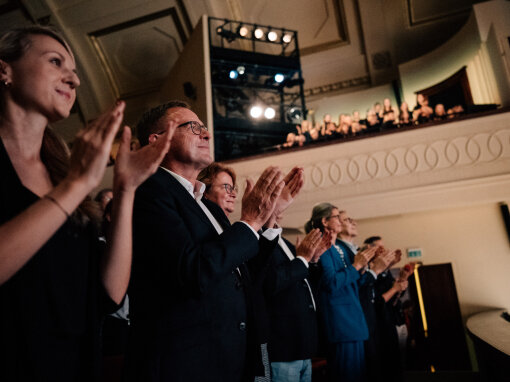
x,y
257,86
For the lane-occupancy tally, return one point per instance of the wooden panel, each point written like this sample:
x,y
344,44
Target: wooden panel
x,y
453,91
440,342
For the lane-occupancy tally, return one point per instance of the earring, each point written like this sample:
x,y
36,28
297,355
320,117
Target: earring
x,y
6,84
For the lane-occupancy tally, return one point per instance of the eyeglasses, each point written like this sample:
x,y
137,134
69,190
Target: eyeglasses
x,y
196,128
229,188
335,216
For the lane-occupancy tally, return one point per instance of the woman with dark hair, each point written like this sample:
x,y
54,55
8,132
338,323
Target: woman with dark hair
x,y
54,283
341,312
422,112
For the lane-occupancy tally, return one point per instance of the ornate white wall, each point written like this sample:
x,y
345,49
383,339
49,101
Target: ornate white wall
x,y
459,163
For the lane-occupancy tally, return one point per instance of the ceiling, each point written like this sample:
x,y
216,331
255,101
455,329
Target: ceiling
x,y
126,48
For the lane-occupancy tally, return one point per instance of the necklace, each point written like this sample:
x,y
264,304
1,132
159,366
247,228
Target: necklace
x,y
341,253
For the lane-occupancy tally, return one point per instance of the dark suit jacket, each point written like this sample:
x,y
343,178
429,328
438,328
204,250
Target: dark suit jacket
x,y
293,333
187,305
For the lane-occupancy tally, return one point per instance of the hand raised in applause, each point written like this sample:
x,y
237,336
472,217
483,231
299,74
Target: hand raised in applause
x,y
398,257
382,260
134,167
400,285
259,200
325,243
308,247
92,146
362,258
293,183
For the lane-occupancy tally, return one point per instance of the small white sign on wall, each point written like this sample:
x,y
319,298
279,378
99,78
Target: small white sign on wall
x,y
414,253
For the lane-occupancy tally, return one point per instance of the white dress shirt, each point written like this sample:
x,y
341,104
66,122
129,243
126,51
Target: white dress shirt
x,y
197,191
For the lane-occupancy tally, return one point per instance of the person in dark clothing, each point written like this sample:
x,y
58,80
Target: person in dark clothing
x,y
55,283
189,312
422,112
380,301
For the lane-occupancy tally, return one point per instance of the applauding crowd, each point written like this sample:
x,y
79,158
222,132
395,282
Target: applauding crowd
x,y
209,299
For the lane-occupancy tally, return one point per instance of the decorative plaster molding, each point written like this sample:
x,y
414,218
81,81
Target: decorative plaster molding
x,y
380,171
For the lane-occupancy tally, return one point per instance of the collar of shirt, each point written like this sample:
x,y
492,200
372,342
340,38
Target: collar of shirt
x,y
196,192
353,247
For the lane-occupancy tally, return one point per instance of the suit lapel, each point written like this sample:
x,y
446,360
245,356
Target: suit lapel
x,y
217,212
183,195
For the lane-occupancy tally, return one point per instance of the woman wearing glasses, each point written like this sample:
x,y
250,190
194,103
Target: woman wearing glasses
x,y
220,186
342,315
54,282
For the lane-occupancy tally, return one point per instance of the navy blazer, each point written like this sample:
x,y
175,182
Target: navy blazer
x,y
341,310
293,318
187,305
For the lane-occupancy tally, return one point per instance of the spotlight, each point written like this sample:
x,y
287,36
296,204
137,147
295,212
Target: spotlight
x,y
225,33
287,38
243,31
278,77
256,111
294,114
258,33
269,113
272,36
241,70
233,74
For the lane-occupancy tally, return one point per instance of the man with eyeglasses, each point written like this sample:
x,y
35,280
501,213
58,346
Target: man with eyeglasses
x,y
188,314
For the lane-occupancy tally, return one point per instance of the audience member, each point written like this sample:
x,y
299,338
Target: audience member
x,y
372,121
55,284
389,115
220,188
439,113
405,118
313,132
379,299
189,317
455,111
104,197
378,110
341,312
422,112
355,126
344,127
328,127
293,340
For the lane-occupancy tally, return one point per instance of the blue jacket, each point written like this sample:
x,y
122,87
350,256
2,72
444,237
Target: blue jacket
x,y
341,310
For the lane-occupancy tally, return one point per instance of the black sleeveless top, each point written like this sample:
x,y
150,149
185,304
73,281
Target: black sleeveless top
x,y
50,309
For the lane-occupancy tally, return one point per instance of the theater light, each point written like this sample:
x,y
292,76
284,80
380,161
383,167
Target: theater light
x,y
287,38
256,111
233,74
294,115
241,70
258,33
269,113
243,31
272,36
278,77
